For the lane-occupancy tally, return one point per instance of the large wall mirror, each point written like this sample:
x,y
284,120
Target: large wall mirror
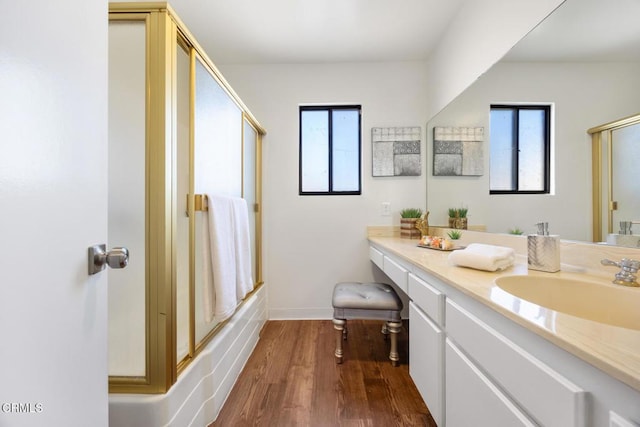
x,y
584,61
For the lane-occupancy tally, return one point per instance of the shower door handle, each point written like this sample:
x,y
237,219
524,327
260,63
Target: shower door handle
x,y
99,258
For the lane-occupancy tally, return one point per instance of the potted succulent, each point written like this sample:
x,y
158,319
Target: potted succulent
x,y
458,218
453,214
462,218
408,218
454,234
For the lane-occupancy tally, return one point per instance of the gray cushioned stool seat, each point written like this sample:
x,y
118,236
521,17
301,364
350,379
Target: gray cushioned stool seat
x,y
355,300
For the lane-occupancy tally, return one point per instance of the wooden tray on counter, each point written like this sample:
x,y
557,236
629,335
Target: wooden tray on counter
x,y
440,249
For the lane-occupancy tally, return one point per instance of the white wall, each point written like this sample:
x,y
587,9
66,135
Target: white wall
x,y
482,32
312,242
584,95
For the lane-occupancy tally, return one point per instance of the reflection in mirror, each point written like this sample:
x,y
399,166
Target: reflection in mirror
x,y
583,61
626,174
616,178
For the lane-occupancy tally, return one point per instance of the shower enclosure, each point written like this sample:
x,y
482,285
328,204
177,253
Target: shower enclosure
x,y
177,131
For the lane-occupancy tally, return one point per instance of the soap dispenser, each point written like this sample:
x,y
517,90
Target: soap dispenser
x,y
543,250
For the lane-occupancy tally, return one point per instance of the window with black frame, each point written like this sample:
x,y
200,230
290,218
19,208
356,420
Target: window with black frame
x,y
520,140
330,150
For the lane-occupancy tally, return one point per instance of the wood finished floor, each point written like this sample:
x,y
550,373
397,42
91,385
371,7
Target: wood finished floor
x,y
291,379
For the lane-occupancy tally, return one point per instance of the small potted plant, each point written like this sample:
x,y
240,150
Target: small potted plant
x,y
408,218
454,234
458,218
453,215
516,231
462,218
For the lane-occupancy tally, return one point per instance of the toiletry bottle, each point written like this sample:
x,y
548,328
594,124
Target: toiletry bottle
x,y
543,250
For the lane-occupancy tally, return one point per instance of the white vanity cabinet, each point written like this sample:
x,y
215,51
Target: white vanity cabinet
x,y
397,273
476,367
473,399
543,394
391,267
376,257
426,344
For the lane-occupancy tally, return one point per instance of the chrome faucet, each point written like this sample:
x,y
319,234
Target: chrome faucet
x,y
627,274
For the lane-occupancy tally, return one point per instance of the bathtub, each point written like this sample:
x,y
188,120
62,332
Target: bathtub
x,y
202,388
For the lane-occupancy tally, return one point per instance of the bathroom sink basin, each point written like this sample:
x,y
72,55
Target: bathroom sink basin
x,y
614,305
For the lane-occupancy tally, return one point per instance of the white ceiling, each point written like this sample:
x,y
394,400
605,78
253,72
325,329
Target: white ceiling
x,y
584,30
320,31
313,31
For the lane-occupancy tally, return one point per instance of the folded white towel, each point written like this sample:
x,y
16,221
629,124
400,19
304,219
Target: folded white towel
x,y
483,257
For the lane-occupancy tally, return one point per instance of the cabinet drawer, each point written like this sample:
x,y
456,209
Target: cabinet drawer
x,y
550,398
396,272
376,257
426,364
429,299
473,400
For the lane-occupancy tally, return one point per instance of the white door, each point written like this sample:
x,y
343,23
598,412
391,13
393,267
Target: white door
x,y
53,206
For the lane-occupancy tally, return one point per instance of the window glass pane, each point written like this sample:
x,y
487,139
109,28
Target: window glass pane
x,y
314,128
346,153
501,176
531,169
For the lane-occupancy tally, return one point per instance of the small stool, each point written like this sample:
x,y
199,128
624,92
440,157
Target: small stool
x,y
378,301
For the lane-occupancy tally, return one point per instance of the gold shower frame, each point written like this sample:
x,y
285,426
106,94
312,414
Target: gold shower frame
x,y
597,172
164,34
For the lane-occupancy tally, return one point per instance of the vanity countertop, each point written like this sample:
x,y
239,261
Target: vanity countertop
x,y
612,349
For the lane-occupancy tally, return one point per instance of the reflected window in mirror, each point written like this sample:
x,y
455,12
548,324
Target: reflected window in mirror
x,y
520,153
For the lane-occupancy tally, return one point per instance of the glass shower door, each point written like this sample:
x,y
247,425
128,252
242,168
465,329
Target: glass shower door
x,y
126,197
217,159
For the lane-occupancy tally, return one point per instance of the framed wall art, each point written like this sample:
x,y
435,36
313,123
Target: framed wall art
x,y
458,151
396,151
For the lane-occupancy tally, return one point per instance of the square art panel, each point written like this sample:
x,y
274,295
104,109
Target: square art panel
x,y
396,151
458,151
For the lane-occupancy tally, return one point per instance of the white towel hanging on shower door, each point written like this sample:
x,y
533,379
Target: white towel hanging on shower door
x,y
229,253
244,279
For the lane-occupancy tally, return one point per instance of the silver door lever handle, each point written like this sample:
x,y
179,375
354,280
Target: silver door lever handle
x,y
99,258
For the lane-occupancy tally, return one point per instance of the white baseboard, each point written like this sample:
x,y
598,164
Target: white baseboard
x,y
300,313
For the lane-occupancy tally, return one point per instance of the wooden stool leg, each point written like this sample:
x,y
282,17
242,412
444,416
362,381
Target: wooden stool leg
x,y
339,326
394,329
